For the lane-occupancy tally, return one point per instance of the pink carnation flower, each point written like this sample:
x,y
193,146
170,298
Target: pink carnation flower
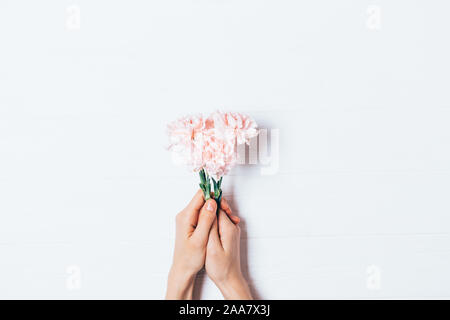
x,y
235,125
186,141
210,143
219,156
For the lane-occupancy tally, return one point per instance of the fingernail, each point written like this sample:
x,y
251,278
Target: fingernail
x,y
210,207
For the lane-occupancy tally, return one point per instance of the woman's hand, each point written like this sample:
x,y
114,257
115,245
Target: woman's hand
x,y
223,257
193,226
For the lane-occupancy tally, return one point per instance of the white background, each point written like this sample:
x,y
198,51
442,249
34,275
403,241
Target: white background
x,y
357,206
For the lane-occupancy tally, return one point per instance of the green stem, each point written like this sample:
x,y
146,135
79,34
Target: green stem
x,y
205,185
217,192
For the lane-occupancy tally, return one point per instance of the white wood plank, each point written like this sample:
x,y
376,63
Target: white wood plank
x,y
361,178
281,268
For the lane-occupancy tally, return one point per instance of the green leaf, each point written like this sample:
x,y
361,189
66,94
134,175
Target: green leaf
x,y
201,173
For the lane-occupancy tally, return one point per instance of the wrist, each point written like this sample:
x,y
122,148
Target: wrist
x,y
180,284
235,288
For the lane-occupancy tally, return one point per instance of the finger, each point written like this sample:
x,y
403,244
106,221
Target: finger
x,y
225,206
227,230
214,239
235,219
205,220
197,201
190,213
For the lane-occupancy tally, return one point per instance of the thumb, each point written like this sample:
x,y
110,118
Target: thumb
x,y
205,220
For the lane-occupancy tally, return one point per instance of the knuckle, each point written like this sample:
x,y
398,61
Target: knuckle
x,y
181,218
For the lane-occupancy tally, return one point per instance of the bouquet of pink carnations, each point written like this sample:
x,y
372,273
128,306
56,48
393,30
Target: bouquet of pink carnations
x,y
208,145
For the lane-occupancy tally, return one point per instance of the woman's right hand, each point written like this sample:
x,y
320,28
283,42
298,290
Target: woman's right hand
x,y
222,262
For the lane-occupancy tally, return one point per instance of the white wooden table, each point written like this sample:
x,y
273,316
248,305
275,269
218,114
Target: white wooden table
x,y
354,204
